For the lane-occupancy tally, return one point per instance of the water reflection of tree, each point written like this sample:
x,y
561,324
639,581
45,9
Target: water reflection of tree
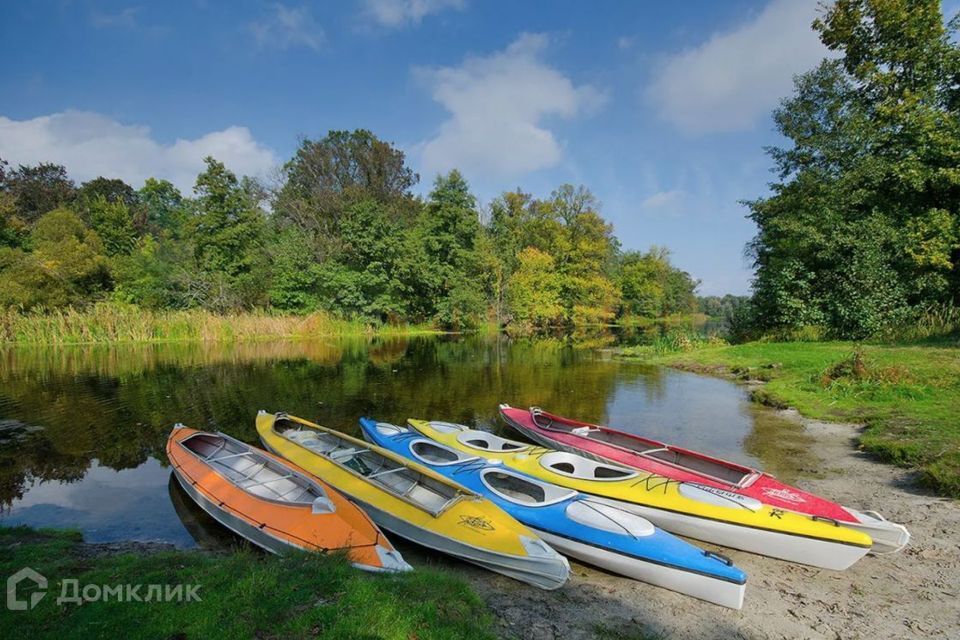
x,y
117,405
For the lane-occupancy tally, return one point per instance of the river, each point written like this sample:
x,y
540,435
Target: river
x,y
82,429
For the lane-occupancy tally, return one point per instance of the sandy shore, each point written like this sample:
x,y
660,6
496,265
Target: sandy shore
x,y
911,594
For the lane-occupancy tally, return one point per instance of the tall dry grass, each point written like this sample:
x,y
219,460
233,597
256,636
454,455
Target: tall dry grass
x,y
107,323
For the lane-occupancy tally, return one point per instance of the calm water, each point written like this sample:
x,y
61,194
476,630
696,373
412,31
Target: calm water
x,y
82,430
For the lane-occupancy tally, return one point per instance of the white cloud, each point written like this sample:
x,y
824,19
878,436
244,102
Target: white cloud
x,y
124,19
397,13
733,79
663,199
288,27
91,145
626,42
496,106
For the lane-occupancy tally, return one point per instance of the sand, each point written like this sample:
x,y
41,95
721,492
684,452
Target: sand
x,y
911,594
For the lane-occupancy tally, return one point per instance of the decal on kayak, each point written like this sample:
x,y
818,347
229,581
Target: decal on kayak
x,y
718,497
476,522
783,494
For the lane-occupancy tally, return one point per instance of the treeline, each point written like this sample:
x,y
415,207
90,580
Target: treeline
x,y
341,232
862,232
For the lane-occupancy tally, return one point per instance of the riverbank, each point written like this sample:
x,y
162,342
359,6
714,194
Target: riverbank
x,y
905,396
909,595
112,323
243,594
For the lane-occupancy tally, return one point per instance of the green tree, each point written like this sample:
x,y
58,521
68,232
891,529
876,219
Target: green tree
x,y
66,266
450,227
164,207
112,221
367,279
153,274
13,229
863,223
226,231
326,176
39,189
534,292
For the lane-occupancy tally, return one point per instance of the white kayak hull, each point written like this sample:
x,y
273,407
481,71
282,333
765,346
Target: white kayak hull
x,y
791,547
697,585
888,537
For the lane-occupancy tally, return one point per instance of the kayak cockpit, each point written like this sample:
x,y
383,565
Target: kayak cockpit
x,y
436,454
255,473
716,469
520,489
575,466
402,481
488,441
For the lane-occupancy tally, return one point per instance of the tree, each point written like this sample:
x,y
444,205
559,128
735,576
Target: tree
x,y
450,226
13,229
110,189
226,231
39,189
534,292
863,224
153,274
112,221
651,287
325,176
367,279
66,266
163,206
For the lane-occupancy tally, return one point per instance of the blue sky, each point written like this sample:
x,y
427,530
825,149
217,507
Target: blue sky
x,y
662,109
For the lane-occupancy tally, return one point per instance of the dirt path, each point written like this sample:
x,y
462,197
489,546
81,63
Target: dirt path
x,y
911,594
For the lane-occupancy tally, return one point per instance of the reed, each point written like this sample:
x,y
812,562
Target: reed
x,y
111,323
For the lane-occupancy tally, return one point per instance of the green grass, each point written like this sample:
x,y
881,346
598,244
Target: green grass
x,y
908,396
243,595
112,323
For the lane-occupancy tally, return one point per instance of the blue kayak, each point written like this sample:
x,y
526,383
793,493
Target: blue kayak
x,y
579,526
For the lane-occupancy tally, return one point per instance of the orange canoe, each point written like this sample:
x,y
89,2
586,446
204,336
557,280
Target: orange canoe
x,y
274,503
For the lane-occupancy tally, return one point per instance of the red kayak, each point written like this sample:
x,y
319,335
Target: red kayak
x,y
685,465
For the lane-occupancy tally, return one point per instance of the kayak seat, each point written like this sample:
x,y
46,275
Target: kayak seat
x,y
488,441
575,466
435,453
523,490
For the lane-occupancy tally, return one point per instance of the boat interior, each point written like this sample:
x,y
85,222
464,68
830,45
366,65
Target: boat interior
x,y
255,473
575,466
437,454
387,473
521,490
489,442
717,469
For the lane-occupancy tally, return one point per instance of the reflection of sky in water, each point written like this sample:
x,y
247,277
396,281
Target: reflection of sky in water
x,y
687,410
106,505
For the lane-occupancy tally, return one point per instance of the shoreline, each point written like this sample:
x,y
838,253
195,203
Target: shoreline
x,y
783,600
904,395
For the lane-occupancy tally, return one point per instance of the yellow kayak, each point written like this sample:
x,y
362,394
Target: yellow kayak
x,y
685,508
415,502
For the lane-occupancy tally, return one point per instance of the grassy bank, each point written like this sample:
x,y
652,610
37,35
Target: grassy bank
x,y
907,396
108,323
243,595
